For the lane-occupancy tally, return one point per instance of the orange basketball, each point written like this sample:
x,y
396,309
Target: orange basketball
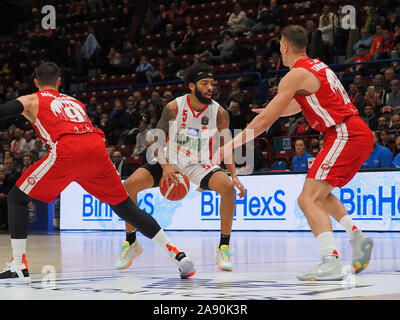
x,y
176,191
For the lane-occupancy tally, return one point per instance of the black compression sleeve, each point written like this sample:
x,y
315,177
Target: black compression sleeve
x,y
11,109
141,220
18,214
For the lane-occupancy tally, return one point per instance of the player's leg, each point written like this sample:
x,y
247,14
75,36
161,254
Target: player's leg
x,y
44,181
312,202
209,177
148,226
140,180
361,244
354,149
220,182
103,182
18,222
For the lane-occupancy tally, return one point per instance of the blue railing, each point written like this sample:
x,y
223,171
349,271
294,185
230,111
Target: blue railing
x,y
216,77
262,85
344,65
130,88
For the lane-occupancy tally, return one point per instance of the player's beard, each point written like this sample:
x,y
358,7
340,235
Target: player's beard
x,y
201,97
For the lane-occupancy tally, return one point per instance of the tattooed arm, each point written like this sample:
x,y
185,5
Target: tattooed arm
x,y
168,114
223,128
169,171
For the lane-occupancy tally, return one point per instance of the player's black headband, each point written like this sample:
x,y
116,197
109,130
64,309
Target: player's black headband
x,y
203,75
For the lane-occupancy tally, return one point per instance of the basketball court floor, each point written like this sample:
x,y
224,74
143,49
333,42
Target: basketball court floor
x,y
79,265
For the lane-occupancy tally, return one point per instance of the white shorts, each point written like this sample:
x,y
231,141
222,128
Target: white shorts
x,y
195,172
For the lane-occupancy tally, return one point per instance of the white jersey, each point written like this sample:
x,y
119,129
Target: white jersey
x,y
192,136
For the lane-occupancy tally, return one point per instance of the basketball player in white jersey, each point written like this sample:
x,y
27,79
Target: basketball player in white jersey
x,y
192,123
312,87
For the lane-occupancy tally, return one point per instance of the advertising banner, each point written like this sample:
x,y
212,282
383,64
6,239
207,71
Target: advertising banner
x,y
371,198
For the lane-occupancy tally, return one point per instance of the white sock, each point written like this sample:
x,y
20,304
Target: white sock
x,y
347,223
327,244
18,249
165,242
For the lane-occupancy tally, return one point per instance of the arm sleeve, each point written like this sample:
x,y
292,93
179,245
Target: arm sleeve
x,y
11,109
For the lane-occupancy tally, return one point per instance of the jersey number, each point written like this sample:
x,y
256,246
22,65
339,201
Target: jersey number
x,y
74,113
69,110
337,86
184,115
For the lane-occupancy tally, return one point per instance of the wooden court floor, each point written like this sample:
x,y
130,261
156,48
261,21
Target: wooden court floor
x,y
79,265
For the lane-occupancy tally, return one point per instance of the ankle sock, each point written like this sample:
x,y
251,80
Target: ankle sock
x,y
131,237
224,240
347,223
18,249
327,244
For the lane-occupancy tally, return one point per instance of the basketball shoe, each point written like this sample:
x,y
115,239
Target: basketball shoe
x,y
330,269
128,253
185,265
16,273
223,258
362,247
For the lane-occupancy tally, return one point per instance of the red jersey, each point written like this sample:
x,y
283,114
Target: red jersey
x,y
330,105
59,115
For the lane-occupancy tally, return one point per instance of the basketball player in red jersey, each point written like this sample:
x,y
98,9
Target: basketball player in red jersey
x,y
191,122
312,87
77,153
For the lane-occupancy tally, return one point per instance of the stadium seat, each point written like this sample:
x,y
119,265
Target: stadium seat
x,y
107,106
122,80
83,96
278,166
284,127
284,155
181,88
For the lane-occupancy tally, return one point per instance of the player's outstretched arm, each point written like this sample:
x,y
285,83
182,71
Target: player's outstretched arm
x,y
223,126
287,88
292,109
275,109
11,109
24,105
30,104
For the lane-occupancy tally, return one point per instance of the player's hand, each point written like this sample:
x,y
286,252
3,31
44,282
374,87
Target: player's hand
x,y
169,174
239,186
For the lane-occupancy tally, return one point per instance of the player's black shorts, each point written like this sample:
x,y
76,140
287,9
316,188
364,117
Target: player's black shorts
x,y
156,172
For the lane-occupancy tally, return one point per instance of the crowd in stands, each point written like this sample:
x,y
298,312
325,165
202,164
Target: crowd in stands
x,y
248,39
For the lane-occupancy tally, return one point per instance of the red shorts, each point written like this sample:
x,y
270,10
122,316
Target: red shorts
x,y
81,158
346,147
